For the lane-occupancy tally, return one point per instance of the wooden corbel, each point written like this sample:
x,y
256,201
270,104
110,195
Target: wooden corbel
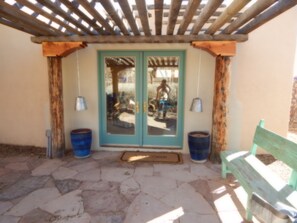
x,y
216,48
61,49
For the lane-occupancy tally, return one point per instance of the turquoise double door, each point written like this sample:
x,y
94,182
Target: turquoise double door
x,y
141,98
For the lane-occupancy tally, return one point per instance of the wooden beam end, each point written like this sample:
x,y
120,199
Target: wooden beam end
x,y
215,48
61,49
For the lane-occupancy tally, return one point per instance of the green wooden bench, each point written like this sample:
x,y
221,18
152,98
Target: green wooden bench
x,y
255,177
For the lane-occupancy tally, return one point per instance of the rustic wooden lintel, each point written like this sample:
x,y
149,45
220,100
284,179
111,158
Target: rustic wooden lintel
x,y
60,49
216,48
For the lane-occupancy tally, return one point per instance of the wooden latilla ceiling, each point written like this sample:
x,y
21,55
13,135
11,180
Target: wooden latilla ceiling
x,y
139,21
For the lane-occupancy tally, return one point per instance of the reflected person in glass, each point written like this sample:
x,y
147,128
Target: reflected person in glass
x,y
162,98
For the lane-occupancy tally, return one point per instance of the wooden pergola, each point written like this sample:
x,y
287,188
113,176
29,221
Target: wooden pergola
x,y
63,26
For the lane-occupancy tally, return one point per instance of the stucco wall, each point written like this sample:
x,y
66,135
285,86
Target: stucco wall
x,y
261,83
24,103
89,86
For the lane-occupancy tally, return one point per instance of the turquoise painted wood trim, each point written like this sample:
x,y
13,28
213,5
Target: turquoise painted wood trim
x,y
173,141
225,169
140,138
248,214
293,179
121,139
254,147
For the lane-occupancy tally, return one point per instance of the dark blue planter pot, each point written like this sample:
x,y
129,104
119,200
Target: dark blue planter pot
x,y
81,140
199,145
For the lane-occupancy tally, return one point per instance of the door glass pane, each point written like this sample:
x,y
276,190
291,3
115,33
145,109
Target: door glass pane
x,y
120,94
162,94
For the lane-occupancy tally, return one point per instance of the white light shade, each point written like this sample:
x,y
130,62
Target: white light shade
x,y
80,104
196,105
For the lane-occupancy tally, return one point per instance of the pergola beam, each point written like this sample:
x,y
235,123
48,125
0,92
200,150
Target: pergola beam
x,y
205,14
216,48
275,10
38,9
226,15
55,7
251,12
143,15
73,6
108,6
141,39
158,16
188,16
90,8
174,9
15,15
129,16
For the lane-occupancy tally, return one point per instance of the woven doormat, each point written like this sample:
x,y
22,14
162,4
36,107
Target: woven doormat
x,y
159,157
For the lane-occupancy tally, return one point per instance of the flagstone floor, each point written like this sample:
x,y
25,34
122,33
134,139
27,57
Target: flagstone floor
x,y
102,189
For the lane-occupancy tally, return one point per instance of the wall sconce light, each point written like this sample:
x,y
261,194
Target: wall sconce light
x,y
80,102
196,105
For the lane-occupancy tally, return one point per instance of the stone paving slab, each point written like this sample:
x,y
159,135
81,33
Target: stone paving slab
x,y
34,200
65,186
96,202
63,173
47,167
89,175
37,216
4,206
21,166
67,205
156,186
146,208
9,219
22,187
103,189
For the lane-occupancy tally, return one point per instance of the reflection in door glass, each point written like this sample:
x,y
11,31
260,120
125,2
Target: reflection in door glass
x,y
120,94
162,76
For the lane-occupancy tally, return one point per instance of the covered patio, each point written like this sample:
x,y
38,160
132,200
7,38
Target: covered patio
x,y
216,27
38,86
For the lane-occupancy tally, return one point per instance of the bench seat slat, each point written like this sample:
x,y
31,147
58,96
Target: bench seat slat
x,y
255,176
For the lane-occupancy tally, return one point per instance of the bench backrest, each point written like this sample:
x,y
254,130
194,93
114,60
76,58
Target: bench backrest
x,y
278,146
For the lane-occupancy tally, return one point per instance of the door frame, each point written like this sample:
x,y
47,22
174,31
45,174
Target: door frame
x,y
140,139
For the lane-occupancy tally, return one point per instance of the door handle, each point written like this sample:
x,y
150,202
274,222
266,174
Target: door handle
x,y
145,107
137,107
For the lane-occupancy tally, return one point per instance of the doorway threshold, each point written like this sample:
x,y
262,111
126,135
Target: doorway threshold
x,y
138,148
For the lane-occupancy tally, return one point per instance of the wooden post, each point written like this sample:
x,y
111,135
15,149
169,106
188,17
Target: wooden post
x,y
54,53
115,80
56,105
219,114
